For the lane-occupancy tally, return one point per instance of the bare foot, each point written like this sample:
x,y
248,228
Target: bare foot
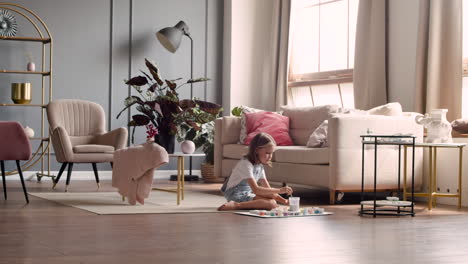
x,y
228,206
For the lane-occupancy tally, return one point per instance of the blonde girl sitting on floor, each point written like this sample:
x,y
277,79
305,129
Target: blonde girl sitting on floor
x,y
247,187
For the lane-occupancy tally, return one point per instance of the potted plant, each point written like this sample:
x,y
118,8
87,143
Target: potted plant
x,y
196,123
158,103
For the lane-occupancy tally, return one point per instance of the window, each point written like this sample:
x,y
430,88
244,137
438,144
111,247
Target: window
x,y
322,52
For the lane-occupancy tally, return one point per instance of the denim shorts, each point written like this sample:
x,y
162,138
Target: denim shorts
x,y
239,194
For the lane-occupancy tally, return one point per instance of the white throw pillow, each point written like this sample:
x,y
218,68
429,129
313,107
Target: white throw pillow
x,y
319,138
243,131
390,109
352,111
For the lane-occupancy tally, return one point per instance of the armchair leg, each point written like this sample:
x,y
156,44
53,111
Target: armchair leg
x,y
96,174
112,164
3,178
70,168
62,168
22,181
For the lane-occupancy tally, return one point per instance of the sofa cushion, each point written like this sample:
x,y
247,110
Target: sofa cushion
x,y
301,155
390,109
319,138
277,126
304,120
230,129
235,151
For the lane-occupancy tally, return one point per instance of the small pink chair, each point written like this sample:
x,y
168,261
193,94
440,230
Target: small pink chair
x,y
15,146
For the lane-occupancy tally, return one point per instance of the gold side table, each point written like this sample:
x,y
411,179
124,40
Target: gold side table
x,y
179,190
433,172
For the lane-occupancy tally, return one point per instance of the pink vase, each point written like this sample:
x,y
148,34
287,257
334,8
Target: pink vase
x,y
187,147
31,66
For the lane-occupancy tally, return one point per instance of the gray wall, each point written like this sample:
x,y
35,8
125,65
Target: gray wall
x,y
99,43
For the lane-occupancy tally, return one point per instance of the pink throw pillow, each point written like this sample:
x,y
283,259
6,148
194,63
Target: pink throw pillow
x,y
268,122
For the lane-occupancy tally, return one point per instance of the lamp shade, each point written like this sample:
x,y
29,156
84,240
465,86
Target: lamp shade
x,y
170,37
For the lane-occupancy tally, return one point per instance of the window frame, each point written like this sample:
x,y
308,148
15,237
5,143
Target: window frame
x,y
321,77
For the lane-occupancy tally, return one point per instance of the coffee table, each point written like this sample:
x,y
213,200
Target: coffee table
x,y
179,190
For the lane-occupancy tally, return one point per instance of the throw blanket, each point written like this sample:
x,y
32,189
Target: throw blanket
x,y
134,168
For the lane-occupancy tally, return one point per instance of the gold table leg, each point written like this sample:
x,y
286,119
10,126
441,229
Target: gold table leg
x,y
430,191
179,190
178,178
182,174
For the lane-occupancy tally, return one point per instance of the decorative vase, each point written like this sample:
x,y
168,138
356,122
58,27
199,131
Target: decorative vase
x,y
439,129
31,66
21,93
165,140
187,147
29,132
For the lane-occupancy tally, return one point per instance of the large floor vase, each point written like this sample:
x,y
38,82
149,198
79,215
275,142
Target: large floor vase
x,y
165,140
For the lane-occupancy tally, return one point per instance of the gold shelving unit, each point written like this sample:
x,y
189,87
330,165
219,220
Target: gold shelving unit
x,y
45,39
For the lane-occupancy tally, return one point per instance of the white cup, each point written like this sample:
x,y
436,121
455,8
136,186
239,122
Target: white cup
x,y
294,204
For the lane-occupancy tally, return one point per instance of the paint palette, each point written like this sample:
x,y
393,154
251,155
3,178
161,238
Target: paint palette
x,y
279,213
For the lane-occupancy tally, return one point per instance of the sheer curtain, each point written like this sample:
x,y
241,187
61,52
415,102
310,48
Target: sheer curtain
x,y
370,84
439,57
281,16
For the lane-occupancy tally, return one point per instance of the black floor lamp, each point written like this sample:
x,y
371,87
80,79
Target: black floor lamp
x,y
170,38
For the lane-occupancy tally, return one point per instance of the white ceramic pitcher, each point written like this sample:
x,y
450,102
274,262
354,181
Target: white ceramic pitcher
x,y
439,129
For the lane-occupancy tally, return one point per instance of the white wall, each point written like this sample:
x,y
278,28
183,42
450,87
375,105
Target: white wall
x,y
403,23
247,76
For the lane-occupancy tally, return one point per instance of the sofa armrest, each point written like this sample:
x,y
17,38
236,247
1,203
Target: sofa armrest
x,y
345,148
227,131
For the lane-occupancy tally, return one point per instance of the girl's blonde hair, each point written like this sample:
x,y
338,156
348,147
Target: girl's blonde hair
x,y
261,140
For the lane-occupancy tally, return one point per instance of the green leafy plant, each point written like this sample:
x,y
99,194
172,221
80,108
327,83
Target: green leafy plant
x,y
236,111
196,123
157,101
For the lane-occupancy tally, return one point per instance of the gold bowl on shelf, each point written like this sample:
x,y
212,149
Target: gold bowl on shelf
x,y
21,93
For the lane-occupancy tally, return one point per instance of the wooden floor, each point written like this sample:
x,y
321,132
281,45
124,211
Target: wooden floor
x,y
46,232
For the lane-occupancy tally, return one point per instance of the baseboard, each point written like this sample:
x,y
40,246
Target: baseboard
x,y
89,175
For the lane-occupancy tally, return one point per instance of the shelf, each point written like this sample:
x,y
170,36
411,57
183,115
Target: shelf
x,y
367,142
39,138
25,72
30,105
387,203
43,40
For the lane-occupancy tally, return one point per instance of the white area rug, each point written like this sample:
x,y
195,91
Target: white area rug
x,y
158,203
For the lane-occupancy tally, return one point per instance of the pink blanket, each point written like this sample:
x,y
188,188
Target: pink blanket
x,y
134,168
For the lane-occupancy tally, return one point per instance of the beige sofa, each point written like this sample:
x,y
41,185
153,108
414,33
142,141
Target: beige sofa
x,y
337,167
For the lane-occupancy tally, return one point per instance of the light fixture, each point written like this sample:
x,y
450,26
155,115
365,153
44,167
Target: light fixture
x,y
170,38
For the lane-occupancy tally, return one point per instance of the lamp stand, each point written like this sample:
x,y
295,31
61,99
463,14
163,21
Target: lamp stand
x,y
189,177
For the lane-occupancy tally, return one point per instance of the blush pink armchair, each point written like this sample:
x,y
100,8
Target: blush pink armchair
x,y
78,133
15,146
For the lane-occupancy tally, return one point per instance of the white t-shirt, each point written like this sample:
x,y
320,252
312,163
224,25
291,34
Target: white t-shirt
x,y
245,170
